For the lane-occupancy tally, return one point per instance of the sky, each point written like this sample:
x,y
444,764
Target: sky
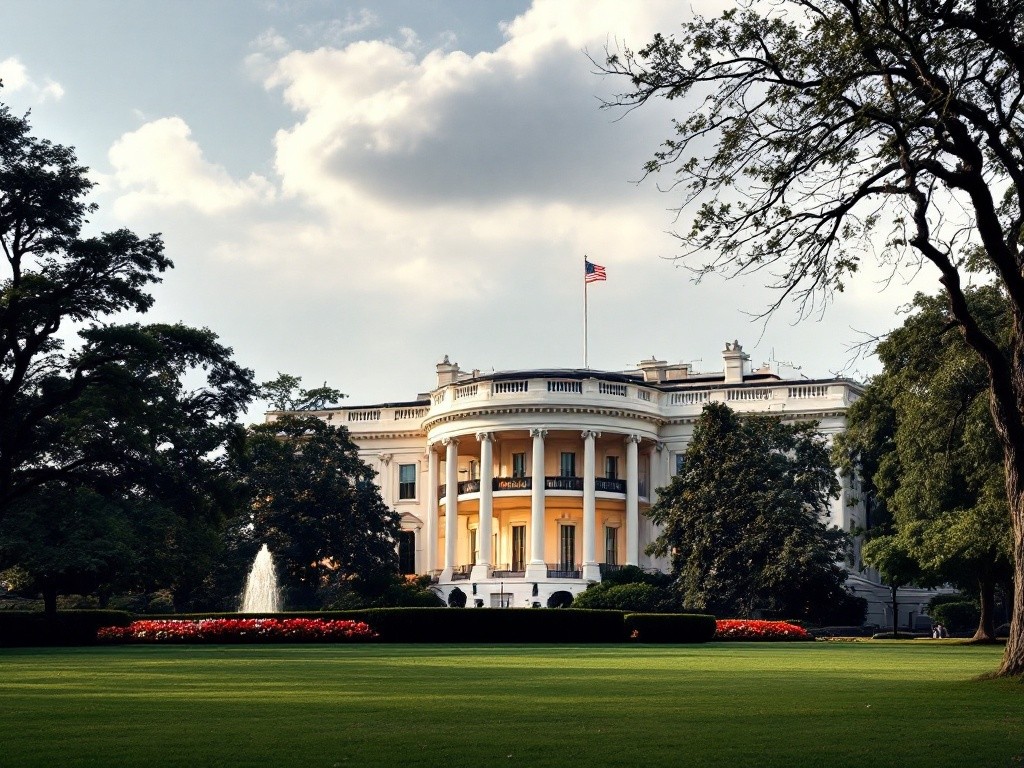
x,y
352,191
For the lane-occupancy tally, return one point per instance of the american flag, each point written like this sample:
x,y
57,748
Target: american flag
x,y
593,272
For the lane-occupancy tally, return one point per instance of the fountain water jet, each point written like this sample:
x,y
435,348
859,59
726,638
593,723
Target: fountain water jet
x,y
261,592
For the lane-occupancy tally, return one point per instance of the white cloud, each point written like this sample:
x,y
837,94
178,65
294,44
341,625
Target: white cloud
x,y
15,78
159,165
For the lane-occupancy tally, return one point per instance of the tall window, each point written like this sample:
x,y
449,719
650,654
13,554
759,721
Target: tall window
x,y
518,465
568,464
407,552
474,546
680,463
518,547
611,467
407,481
611,546
567,548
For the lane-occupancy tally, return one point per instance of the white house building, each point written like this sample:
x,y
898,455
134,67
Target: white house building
x,y
516,485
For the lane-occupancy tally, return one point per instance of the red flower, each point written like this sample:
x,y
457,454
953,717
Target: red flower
x,y
756,629
238,630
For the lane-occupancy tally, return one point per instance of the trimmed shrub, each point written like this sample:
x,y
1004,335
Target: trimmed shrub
x,y
560,599
950,597
492,625
634,574
32,628
670,627
456,598
956,617
641,598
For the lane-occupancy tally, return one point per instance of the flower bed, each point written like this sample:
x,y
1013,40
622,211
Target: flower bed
x,y
755,629
238,631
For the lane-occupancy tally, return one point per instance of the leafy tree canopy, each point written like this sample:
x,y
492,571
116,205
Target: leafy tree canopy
x,y
743,521
315,505
818,133
110,443
923,441
285,394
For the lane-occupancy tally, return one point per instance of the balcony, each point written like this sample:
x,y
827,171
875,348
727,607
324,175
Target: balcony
x,y
601,485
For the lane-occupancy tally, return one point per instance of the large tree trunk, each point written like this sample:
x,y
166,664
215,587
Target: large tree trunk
x,y
1007,418
986,631
895,611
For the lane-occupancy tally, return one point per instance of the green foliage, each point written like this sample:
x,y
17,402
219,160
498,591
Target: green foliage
x,y
670,627
942,599
313,502
25,628
956,617
743,522
923,441
285,394
642,598
634,574
816,133
111,473
492,625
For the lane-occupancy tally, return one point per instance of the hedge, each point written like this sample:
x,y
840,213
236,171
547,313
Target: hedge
x,y
670,627
957,617
77,627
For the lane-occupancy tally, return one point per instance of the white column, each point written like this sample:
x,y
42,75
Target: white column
x,y
632,502
432,509
536,568
591,569
656,479
451,506
482,570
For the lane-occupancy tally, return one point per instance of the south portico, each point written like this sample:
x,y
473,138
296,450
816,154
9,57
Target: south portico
x,y
523,500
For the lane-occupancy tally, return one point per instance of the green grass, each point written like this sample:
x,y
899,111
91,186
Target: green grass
x,y
802,704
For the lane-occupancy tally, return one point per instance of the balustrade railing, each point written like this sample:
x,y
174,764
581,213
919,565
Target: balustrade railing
x,y
601,484
564,571
512,483
563,483
506,571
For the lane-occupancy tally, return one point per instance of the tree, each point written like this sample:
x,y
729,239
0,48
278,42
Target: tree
x,y
743,522
923,441
285,394
144,489
315,505
101,439
818,129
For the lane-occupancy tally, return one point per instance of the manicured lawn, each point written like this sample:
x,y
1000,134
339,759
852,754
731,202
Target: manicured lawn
x,y
801,704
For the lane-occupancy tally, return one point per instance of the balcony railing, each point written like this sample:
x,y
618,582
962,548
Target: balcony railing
x,y
564,571
506,571
461,572
563,483
608,568
602,484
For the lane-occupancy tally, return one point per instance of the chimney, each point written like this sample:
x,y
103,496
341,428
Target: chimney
x,y
737,363
653,369
447,372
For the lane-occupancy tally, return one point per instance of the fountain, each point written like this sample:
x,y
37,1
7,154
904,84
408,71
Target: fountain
x,y
261,593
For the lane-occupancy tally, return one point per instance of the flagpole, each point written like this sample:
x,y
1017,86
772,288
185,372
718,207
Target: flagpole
x,y
585,284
